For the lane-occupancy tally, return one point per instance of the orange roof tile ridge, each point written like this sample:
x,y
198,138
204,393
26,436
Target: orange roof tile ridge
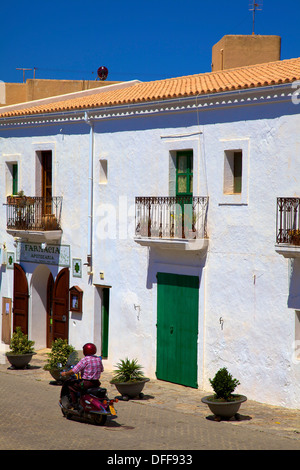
x,y
217,72
245,77
67,96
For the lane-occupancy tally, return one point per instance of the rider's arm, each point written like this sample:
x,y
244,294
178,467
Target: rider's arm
x,y
69,372
77,368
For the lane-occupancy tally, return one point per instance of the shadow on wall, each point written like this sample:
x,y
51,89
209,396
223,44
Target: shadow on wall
x,y
294,284
189,264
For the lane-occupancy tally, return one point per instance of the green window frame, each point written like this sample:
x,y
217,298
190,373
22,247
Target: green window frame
x,y
15,179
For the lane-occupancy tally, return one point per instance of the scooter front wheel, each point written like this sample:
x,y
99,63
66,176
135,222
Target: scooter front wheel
x,y
100,420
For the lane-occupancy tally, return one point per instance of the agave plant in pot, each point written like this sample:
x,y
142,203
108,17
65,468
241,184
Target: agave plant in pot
x,y
224,404
21,350
57,358
129,379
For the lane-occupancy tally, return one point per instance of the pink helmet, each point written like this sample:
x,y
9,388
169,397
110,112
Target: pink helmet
x,y
89,349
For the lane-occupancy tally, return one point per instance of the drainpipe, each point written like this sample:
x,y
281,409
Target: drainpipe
x,y
90,195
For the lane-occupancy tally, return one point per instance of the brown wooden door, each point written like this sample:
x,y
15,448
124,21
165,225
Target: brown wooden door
x,y
50,287
60,305
20,299
47,182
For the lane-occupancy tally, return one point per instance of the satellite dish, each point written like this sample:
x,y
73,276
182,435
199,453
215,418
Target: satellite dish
x,y
102,72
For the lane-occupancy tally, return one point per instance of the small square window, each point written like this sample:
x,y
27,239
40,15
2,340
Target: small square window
x,y
103,171
233,164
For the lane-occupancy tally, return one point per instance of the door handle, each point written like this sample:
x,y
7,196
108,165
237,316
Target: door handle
x,y
171,329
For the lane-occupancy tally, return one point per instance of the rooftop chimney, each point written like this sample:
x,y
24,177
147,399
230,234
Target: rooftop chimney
x,y
239,50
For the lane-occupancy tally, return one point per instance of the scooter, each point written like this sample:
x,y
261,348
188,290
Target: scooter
x,y
93,404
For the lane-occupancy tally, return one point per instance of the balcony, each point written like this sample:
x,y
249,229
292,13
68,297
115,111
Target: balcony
x,y
34,218
288,227
177,222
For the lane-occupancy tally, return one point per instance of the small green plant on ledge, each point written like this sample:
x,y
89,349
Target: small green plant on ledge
x,y
20,344
224,385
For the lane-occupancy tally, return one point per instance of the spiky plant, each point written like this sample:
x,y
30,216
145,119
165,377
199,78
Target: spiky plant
x,y
128,371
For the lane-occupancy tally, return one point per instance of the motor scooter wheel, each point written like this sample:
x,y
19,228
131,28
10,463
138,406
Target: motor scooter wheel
x,y
66,414
100,420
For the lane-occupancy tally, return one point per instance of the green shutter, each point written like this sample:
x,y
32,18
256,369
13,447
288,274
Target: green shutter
x,y
177,328
15,179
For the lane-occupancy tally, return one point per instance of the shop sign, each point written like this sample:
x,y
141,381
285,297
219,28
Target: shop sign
x,y
58,255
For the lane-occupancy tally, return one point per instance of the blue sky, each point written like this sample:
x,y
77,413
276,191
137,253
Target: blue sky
x,y
145,40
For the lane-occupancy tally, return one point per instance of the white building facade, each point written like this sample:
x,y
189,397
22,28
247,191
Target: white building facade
x,y
159,236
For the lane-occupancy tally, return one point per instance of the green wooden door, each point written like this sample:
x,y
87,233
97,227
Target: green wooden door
x,y
184,173
177,328
105,322
184,192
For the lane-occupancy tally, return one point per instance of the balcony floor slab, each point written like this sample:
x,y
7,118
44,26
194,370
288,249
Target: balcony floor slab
x,y
39,236
198,244
288,251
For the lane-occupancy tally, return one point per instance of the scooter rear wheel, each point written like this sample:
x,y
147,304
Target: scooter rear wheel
x,y
100,420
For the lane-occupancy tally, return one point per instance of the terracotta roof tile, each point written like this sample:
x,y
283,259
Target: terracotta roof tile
x,y
271,73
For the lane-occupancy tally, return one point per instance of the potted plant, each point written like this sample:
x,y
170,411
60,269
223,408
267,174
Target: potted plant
x,y
21,350
22,210
129,379
224,404
20,199
57,358
294,236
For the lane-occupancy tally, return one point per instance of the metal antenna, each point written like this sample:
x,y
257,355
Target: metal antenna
x,y
22,68
255,6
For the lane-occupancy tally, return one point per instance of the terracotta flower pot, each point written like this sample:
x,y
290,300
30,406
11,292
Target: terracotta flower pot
x,y
130,389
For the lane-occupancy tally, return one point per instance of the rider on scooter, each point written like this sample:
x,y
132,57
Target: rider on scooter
x,y
90,367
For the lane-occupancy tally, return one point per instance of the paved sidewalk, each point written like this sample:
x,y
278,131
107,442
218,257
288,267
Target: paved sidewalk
x,y
254,415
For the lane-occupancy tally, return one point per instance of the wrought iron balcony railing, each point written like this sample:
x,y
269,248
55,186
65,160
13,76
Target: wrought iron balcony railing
x,y
33,213
171,217
288,220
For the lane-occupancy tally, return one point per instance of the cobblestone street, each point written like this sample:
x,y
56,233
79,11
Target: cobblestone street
x,y
170,417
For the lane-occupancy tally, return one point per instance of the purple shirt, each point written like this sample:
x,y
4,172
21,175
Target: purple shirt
x,y
90,366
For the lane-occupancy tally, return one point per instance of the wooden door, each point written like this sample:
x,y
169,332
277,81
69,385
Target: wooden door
x,y
184,173
105,322
6,320
50,287
20,299
184,191
60,306
177,328
47,182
